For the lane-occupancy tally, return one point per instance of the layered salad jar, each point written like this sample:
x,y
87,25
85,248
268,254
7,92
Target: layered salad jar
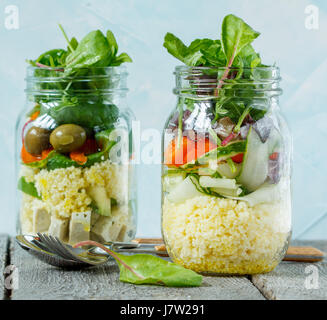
x,y
226,202
75,178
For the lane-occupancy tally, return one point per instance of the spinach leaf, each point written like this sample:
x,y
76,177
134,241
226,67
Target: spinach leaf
x,y
90,113
201,52
28,188
213,54
175,47
250,58
95,50
235,35
123,57
236,39
148,269
59,160
92,51
112,43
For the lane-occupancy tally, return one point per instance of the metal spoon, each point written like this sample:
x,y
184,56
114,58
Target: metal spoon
x,y
54,252
34,247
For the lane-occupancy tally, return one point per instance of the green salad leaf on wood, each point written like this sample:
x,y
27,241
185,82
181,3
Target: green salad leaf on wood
x,y
148,269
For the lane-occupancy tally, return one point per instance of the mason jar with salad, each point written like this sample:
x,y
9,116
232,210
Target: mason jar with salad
x,y
75,179
226,202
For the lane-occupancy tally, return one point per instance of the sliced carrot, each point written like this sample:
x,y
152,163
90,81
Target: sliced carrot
x,y
27,157
188,151
45,153
78,156
176,155
34,115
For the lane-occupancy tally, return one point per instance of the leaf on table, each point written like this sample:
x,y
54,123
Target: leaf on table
x,y
148,269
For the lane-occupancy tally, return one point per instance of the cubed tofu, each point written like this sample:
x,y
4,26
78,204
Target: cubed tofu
x,y
122,234
79,227
109,228
59,228
41,220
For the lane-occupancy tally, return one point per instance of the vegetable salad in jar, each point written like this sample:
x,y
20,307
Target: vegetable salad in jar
x,y
226,204
75,177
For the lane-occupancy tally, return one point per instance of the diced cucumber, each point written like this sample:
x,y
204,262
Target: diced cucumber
x,y
225,170
203,171
169,181
267,193
255,164
228,192
102,201
209,182
221,153
183,191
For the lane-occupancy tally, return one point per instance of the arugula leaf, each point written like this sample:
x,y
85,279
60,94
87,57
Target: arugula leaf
x,y
235,35
148,269
28,188
73,44
52,58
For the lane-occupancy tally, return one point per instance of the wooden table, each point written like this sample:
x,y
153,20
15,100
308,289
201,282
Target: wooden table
x,y
36,280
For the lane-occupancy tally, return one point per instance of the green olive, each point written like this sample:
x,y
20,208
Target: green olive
x,y
36,140
67,138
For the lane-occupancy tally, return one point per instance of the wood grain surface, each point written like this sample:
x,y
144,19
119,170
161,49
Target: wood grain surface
x,y
290,280
296,280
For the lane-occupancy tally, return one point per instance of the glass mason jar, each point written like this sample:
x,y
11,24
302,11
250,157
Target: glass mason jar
x,y
75,178
226,203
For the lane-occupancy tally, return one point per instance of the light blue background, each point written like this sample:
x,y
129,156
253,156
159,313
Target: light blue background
x,y
140,26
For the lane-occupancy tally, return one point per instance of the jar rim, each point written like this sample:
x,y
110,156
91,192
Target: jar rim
x,y
262,68
44,83
122,69
202,82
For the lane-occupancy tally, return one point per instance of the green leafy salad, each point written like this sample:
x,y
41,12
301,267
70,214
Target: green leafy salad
x,y
238,154
73,113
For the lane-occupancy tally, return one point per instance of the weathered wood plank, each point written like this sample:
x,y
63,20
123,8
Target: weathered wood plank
x,y
39,281
3,259
294,280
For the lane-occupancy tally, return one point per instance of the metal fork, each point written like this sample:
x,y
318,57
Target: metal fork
x,y
93,256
